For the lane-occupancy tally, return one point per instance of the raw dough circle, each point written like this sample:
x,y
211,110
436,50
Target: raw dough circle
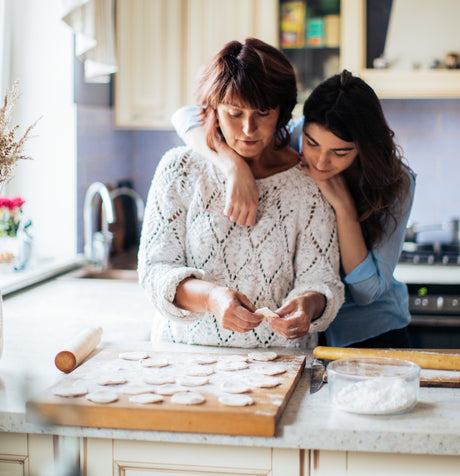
x,y
274,369
136,389
169,389
71,390
111,380
156,362
266,312
200,371
134,355
188,398
145,398
190,381
102,396
263,356
236,400
235,357
232,365
235,386
265,382
159,379
205,360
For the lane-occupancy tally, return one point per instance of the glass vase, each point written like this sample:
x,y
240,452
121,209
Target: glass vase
x,y
9,248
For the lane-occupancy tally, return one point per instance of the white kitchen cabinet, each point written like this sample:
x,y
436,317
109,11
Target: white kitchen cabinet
x,y
351,463
151,51
390,83
162,43
13,454
135,458
26,455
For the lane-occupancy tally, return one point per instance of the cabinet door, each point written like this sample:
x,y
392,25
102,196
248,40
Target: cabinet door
x,y
162,43
136,458
13,454
342,463
212,23
151,50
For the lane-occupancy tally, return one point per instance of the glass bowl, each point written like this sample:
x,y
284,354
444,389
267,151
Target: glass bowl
x,y
373,386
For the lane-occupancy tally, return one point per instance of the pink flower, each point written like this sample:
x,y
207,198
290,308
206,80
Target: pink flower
x,y
11,203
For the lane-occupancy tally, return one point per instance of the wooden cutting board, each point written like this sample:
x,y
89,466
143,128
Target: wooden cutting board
x,y
440,378
211,416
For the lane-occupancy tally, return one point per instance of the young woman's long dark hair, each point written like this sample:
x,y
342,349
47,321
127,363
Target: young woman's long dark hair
x,y
378,179
254,72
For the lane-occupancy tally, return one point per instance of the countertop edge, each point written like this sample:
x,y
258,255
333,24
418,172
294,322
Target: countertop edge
x,y
410,442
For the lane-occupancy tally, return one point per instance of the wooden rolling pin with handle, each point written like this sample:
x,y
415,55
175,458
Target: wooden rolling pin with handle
x,y
426,360
78,349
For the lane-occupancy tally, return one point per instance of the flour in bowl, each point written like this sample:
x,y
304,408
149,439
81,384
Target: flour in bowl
x,y
376,396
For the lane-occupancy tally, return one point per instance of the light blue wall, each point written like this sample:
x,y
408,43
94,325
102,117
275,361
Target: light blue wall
x,y
429,133
427,130
110,155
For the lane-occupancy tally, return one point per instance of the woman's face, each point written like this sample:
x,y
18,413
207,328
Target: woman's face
x,y
247,131
324,154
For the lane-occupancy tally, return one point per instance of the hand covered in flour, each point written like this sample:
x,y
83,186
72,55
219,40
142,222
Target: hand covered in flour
x,y
297,314
233,310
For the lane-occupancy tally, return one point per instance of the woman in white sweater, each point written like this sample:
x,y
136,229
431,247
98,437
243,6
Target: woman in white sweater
x,y
206,275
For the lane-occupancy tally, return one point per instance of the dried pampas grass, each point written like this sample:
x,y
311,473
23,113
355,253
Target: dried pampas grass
x,y
11,150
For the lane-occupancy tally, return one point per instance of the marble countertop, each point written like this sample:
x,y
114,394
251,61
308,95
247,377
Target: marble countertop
x,y
38,321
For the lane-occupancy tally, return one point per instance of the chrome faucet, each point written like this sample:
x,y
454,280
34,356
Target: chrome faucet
x,y
133,194
97,244
25,245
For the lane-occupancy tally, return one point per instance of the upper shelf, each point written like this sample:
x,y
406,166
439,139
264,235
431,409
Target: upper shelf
x,y
413,84
389,83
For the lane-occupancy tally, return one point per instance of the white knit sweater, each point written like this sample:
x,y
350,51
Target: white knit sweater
x,y
292,249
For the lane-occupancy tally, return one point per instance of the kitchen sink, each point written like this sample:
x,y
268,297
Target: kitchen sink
x,y
117,274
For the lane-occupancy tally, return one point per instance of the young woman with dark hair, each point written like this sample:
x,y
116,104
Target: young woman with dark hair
x,y
348,149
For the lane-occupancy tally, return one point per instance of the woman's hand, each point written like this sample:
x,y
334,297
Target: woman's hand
x,y
233,309
353,249
297,314
241,195
337,193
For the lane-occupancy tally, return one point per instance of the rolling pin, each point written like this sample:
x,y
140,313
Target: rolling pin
x,y
426,360
78,349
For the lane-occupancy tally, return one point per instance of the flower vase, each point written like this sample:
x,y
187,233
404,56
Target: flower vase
x,y
1,325
9,248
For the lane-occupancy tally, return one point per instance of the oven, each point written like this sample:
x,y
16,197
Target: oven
x,y
435,316
432,275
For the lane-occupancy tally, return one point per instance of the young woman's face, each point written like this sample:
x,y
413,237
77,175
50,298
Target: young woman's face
x,y
247,131
324,154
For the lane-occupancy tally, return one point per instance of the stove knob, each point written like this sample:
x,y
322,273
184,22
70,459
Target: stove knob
x,y
454,302
440,302
425,302
417,301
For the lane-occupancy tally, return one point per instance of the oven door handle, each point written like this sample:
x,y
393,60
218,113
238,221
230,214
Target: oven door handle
x,y
435,321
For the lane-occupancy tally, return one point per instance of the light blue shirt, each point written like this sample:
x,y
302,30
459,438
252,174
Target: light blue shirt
x,y
375,302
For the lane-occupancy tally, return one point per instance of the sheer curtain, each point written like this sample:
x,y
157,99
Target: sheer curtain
x,y
5,45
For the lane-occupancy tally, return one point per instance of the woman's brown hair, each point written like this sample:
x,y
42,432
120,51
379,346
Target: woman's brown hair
x,y
253,72
378,179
